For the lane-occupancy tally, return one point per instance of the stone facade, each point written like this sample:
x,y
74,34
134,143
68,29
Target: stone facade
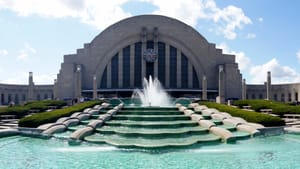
x,y
115,62
279,92
19,94
134,48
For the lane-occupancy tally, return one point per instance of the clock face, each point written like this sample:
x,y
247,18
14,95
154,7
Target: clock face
x,y
150,55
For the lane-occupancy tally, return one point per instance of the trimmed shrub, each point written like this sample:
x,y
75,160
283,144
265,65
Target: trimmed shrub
x,y
49,117
255,117
278,108
19,111
43,105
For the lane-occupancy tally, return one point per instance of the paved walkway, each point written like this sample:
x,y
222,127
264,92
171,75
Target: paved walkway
x,y
8,123
292,125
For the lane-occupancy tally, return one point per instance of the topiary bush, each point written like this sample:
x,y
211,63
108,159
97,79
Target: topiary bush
x,y
49,117
255,117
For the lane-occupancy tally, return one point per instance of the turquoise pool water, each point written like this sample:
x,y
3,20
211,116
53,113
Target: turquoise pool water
x,y
268,153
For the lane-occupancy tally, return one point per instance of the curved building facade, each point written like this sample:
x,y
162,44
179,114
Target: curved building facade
x,y
118,59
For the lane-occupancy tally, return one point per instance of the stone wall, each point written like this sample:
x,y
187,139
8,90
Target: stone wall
x,y
18,94
279,92
94,57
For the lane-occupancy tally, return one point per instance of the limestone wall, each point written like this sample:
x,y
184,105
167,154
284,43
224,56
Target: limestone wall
x,y
94,57
19,93
279,92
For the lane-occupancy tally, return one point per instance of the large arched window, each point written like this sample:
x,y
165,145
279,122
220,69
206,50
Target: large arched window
x,y
173,69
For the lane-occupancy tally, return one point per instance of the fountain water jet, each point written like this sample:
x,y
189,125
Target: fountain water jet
x,y
152,94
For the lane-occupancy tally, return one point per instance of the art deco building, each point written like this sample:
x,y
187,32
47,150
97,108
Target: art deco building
x,y
116,61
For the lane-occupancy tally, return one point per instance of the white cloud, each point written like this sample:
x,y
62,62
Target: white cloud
x,y
103,13
280,73
94,12
227,20
3,52
230,18
251,36
189,11
26,52
258,73
298,56
260,19
44,79
16,78
22,78
243,61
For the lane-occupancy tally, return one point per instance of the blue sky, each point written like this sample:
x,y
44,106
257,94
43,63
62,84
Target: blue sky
x,y
35,34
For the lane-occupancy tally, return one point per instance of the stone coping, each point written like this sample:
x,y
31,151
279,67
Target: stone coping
x,y
150,143
8,132
152,132
271,131
295,130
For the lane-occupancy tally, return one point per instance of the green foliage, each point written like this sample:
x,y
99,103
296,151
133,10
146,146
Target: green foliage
x,y
255,117
49,117
277,107
21,111
43,105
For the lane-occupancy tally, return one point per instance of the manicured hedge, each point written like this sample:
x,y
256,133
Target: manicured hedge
x,y
21,111
255,117
49,117
277,107
43,105
18,111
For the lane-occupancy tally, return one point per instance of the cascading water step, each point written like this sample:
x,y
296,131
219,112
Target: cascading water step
x,y
228,127
153,124
150,108
63,135
217,121
149,112
241,135
121,141
155,133
73,128
150,117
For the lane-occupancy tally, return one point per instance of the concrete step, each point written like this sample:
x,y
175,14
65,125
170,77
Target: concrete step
x,y
152,124
121,141
152,133
151,117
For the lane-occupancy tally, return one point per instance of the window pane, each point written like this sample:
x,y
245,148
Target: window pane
x,y
184,71
126,67
115,71
161,62
138,64
173,67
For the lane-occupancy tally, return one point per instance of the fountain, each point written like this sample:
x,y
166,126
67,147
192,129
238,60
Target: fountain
x,y
152,94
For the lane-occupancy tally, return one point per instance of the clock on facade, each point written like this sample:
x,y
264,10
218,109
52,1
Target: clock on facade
x,y
150,55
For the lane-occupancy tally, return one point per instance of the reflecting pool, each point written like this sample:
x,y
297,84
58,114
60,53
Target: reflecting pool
x,y
272,152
